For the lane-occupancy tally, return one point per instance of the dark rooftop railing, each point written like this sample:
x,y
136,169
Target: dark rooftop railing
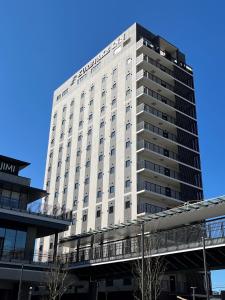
x,y
54,211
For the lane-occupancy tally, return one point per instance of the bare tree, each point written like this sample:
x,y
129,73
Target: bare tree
x,y
58,280
154,268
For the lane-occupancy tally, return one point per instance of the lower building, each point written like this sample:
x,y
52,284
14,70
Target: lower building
x,y
21,223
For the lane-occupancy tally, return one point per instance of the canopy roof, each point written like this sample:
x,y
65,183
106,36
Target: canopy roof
x,y
183,215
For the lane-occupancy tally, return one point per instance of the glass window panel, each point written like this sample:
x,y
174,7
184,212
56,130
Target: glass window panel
x,y
20,240
10,236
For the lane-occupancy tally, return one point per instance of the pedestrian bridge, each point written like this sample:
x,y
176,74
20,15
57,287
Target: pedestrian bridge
x,y
177,234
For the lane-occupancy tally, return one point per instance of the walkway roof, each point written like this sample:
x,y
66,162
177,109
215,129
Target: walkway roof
x,y
186,214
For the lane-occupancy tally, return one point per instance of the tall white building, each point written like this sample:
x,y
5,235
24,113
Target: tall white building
x,y
123,138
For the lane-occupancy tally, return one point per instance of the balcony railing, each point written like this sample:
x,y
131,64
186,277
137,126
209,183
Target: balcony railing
x,y
155,112
155,63
155,148
146,164
156,130
148,44
155,95
143,73
158,189
35,208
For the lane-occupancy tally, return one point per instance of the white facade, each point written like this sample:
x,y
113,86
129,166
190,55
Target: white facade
x,y
95,159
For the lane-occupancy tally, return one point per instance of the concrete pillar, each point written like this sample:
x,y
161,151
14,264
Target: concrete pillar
x,y
30,242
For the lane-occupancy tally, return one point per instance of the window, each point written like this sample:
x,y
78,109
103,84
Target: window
x,y
113,151
59,163
72,103
76,185
57,178
60,149
127,183
71,116
98,213
81,109
127,144
112,170
53,128
128,91
41,248
51,245
58,97
86,181
89,131
88,147
80,123
111,209
102,108
52,141
88,163
103,93
127,163
78,153
90,117
67,158
113,133
56,194
114,85
114,71
91,102
99,175
102,124
64,108
65,190
85,198
127,204
92,88
129,60
84,218
99,194
104,79
100,158
113,117
80,137
55,115
61,135
70,130
101,141
82,95
77,169
69,144
128,75
128,126
64,92
112,189
114,101
63,122
66,174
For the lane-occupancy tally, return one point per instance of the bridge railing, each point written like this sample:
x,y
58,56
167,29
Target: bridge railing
x,y
159,243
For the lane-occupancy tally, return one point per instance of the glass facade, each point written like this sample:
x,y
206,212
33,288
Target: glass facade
x,y
12,240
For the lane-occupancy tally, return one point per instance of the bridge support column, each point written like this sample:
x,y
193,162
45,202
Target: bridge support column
x,y
205,269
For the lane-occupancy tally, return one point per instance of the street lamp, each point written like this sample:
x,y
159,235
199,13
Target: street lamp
x,y
20,283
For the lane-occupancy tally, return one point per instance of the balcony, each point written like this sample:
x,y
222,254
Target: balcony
x,y
36,209
156,96
145,126
146,164
153,111
149,78
158,53
157,149
146,187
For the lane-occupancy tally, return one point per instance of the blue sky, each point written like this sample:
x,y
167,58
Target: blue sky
x,y
44,42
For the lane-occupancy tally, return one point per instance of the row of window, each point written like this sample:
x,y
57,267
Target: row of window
x,y
110,211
